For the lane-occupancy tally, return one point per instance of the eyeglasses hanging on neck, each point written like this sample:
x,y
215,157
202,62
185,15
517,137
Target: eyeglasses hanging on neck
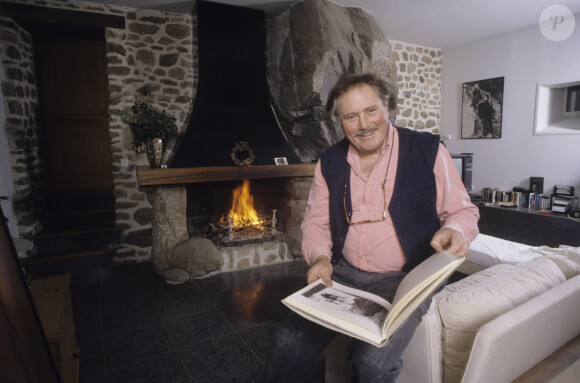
x,y
383,185
368,220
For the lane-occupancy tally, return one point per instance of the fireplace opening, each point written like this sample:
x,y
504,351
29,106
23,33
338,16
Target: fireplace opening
x,y
186,213
236,213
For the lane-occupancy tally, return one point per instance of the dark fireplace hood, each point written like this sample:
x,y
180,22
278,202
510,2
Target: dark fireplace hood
x,y
232,102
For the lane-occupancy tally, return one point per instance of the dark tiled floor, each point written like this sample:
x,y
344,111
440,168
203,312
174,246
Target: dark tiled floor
x,y
133,327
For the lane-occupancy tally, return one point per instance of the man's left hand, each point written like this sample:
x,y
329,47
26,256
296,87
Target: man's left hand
x,y
450,240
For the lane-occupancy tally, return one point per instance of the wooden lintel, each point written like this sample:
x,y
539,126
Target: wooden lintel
x,y
56,16
172,176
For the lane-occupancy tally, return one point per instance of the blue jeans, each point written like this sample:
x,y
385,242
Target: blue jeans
x,y
298,348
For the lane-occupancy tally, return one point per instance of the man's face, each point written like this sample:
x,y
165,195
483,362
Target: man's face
x,y
363,117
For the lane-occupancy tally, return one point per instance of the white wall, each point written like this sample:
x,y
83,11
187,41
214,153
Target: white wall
x,y
525,59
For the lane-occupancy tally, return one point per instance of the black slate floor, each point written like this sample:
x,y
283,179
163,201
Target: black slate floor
x,y
133,327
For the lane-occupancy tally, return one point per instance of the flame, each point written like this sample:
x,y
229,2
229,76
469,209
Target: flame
x,y
242,211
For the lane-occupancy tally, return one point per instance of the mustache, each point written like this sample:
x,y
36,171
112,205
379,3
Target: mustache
x,y
366,131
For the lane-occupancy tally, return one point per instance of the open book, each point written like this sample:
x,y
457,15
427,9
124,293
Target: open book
x,y
366,316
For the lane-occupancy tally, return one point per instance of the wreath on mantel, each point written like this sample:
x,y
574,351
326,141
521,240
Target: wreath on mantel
x,y
242,147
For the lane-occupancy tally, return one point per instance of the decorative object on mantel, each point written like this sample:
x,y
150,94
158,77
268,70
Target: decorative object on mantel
x,y
242,147
150,129
154,150
280,161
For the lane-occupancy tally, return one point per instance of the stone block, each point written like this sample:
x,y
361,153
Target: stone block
x,y
308,47
198,256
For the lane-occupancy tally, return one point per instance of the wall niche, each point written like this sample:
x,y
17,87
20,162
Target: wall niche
x,y
558,109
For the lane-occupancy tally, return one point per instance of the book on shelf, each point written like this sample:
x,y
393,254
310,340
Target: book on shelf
x,y
367,316
542,202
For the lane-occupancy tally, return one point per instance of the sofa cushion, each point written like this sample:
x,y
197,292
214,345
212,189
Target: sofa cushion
x,y
468,304
476,278
488,251
566,258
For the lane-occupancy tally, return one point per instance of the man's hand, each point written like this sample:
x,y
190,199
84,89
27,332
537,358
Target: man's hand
x,y
322,269
450,240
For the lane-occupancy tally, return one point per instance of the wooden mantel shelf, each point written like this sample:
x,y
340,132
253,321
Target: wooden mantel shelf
x,y
170,176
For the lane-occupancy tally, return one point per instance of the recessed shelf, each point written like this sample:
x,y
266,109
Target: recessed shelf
x,y
551,115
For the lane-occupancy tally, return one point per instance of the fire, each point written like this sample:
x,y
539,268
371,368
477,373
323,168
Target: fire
x,y
242,211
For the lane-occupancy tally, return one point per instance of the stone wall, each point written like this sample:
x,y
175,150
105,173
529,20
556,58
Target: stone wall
x,y
419,81
153,59
19,96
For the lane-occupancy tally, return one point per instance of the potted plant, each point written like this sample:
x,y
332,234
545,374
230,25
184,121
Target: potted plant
x,y
150,129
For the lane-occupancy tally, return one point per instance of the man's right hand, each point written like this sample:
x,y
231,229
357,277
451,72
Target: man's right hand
x,y
322,269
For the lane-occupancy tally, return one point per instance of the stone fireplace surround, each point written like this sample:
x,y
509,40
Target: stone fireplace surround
x,y
167,192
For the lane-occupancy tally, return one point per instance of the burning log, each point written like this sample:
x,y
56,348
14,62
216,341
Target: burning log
x,y
243,225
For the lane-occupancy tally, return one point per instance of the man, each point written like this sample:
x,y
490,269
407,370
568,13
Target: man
x,y
476,97
486,113
382,201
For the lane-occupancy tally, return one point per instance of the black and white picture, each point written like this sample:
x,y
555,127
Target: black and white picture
x,y
482,108
346,302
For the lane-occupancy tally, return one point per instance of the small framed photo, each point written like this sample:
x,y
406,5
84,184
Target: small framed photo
x,y
537,185
280,161
482,108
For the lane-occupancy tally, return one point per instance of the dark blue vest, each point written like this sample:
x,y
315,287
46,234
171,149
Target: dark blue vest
x,y
413,204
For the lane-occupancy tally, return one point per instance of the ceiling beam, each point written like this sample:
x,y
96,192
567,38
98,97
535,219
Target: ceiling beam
x,y
35,14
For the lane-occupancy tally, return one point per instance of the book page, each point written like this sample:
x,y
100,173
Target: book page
x,y
418,285
345,307
426,272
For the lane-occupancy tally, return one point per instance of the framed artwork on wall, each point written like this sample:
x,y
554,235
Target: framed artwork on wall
x,y
481,111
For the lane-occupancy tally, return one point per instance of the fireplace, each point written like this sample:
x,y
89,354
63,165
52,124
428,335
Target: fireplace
x,y
188,201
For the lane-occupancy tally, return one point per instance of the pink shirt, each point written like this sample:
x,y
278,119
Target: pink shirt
x,y
374,246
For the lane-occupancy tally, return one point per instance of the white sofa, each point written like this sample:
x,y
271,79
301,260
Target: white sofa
x,y
495,324
519,305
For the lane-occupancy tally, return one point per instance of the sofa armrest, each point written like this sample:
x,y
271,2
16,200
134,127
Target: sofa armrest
x,y
512,343
422,357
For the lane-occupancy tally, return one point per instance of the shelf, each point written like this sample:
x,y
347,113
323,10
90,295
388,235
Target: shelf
x,y
172,176
527,226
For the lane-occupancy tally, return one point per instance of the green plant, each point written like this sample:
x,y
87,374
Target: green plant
x,y
146,123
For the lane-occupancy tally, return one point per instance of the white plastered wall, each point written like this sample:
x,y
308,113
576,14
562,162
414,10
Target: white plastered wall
x,y
525,59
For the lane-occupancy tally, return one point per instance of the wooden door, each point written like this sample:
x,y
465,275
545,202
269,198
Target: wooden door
x,y
73,100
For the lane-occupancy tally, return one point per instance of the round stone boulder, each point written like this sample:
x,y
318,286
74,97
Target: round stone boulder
x,y
197,256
